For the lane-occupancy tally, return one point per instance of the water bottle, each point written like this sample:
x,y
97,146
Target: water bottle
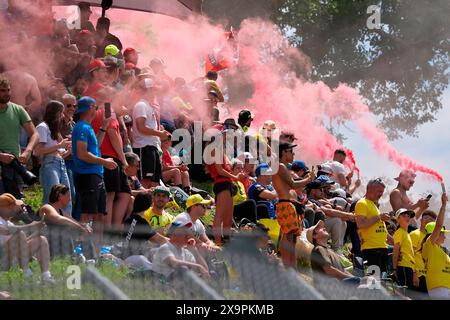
x,y
78,251
105,250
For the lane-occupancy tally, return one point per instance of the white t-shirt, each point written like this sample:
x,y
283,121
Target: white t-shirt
x,y
169,250
337,168
197,228
143,109
45,135
4,223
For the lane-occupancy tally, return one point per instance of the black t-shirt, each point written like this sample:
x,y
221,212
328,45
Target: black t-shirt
x,y
137,228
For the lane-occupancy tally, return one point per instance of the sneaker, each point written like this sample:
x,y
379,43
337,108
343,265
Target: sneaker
x,y
48,281
28,273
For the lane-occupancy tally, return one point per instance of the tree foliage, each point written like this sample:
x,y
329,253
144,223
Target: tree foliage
x,y
400,69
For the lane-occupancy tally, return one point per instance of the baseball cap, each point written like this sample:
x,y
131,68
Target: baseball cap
x,y
162,189
263,168
128,51
8,199
431,225
298,165
405,173
340,193
96,64
245,115
111,50
84,104
401,211
269,124
230,123
286,146
245,156
310,231
180,223
110,61
196,199
325,180
314,185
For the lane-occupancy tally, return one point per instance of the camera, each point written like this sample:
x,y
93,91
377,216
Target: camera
x,y
27,176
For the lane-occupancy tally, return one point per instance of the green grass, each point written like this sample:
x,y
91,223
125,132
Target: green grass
x,y
204,185
33,196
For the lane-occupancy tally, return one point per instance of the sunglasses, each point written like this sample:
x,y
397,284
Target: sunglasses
x,y
71,105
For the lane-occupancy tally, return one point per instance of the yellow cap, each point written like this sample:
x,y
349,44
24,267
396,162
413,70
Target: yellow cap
x,y
196,199
432,225
111,50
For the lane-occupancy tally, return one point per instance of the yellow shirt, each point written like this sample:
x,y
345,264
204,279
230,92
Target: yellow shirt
x,y
406,252
437,263
375,236
416,238
158,222
240,196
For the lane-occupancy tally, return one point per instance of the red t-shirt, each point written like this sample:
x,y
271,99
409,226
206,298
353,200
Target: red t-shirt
x,y
213,171
92,91
166,159
247,182
106,148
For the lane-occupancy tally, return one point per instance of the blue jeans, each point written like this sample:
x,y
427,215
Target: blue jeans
x,y
53,171
69,167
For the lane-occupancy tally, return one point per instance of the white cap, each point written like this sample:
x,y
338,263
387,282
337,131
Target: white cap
x,y
245,156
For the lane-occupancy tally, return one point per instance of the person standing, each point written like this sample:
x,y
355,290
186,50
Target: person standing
x,y
286,212
89,165
403,255
147,134
437,261
399,199
13,117
70,105
51,149
371,227
417,237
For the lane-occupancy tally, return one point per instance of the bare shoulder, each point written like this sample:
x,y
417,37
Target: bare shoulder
x,y
395,193
47,209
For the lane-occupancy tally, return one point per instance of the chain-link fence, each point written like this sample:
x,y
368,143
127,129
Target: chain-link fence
x,y
124,270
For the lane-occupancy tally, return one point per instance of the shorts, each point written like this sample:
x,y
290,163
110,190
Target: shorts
x,y
116,180
150,168
92,193
287,218
223,186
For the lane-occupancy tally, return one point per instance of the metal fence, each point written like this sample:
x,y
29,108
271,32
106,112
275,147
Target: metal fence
x,y
239,271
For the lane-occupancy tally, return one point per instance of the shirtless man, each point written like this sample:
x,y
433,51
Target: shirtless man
x,y
290,222
399,199
24,90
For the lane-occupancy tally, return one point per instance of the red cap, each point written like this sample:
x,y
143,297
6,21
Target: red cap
x,y
128,51
96,64
85,32
129,66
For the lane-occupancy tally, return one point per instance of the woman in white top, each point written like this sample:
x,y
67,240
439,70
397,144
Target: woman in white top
x,y
52,149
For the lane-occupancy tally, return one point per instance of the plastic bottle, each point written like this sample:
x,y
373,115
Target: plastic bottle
x,y
105,250
78,251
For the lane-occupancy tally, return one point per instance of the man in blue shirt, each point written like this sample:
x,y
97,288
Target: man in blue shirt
x,y
89,163
262,191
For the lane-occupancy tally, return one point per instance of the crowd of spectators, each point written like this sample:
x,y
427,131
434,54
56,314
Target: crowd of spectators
x,y
100,141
